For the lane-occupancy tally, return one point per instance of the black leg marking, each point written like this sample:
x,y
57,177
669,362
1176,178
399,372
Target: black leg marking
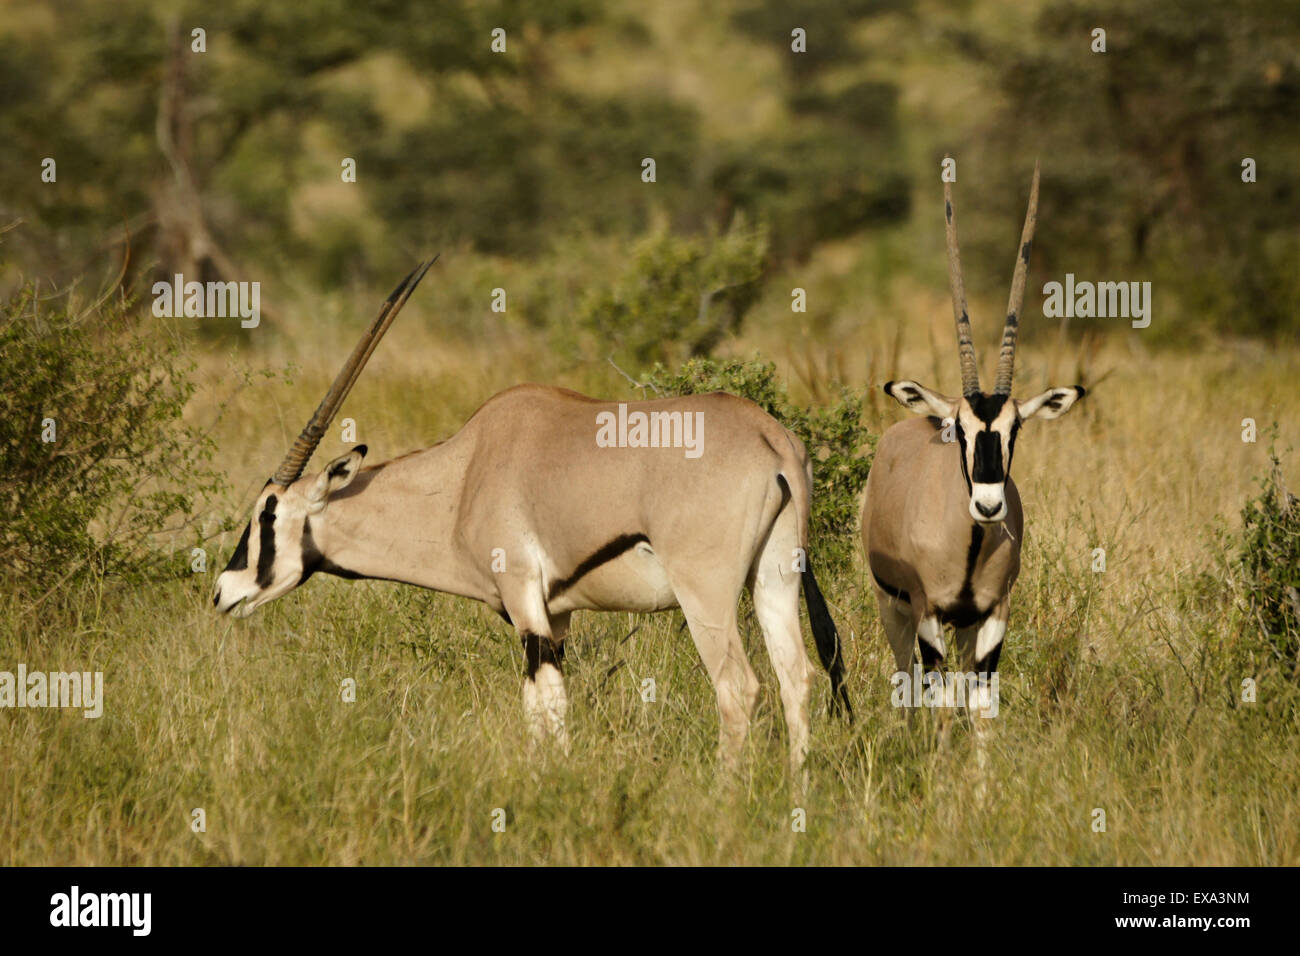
x,y
930,658
989,663
540,650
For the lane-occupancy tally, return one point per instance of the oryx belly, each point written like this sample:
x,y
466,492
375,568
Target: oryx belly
x,y
633,581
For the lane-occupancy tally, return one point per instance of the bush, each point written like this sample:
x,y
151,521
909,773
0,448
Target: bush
x,y
839,444
1269,563
94,459
679,296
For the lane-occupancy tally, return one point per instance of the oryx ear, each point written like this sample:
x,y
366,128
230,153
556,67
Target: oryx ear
x,y
920,399
1053,403
337,475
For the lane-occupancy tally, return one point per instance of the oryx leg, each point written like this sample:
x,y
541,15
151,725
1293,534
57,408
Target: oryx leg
x,y
775,588
929,642
710,611
979,647
929,639
545,702
900,629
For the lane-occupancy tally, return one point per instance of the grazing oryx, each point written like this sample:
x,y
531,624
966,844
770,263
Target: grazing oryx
x,y
941,519
547,502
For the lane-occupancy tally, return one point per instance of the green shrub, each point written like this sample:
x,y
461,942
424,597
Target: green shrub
x,y
678,297
121,467
839,444
1269,563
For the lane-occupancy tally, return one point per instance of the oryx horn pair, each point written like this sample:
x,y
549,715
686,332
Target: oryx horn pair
x,y
970,378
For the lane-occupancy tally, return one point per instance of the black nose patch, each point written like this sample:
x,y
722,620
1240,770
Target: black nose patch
x,y
987,468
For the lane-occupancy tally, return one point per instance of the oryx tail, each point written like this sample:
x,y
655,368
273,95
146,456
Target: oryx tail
x,y
825,634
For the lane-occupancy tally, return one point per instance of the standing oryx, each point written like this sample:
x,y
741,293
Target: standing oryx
x,y
941,520
547,502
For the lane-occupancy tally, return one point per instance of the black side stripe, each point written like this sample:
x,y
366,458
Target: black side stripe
x,y
603,555
896,593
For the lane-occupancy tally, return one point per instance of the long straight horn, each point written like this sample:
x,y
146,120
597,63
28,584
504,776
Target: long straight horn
x,y
970,373
291,468
1007,354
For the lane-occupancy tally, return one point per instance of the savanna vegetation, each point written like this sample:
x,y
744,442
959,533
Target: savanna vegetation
x,y
1151,664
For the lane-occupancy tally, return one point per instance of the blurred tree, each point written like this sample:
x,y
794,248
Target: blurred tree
x,y
837,167
205,157
201,151
1143,146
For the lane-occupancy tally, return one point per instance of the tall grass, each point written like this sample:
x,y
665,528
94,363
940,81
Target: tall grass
x,y
1121,690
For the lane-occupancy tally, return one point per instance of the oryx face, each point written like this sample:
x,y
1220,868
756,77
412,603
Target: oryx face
x,y
985,428
277,551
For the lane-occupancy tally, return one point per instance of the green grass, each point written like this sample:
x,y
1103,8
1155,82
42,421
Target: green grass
x,y
246,720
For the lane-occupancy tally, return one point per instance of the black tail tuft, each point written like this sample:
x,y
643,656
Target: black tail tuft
x,y
828,643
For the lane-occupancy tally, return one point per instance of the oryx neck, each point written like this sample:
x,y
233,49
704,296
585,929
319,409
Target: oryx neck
x,y
397,522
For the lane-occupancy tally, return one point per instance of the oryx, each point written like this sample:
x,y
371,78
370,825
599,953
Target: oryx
x,y
941,518
530,510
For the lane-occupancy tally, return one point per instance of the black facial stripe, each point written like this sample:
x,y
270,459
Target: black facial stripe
x,y
266,543
961,442
239,560
987,468
987,407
